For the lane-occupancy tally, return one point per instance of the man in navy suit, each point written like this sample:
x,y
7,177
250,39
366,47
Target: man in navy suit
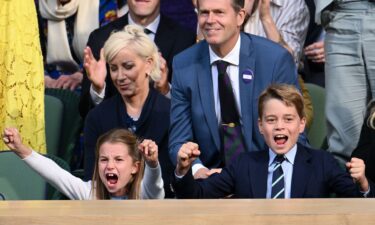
x,y
254,63
167,35
301,173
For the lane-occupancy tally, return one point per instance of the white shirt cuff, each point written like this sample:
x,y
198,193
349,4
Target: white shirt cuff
x,y
97,98
168,95
178,176
196,167
365,194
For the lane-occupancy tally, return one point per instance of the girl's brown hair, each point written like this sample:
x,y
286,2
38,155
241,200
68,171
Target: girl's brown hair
x,y
129,139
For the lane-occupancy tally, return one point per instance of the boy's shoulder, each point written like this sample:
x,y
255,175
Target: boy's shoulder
x,y
317,157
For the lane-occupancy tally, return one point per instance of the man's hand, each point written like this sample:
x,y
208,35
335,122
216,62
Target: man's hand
x,y
96,70
356,169
162,84
204,173
49,82
315,52
71,81
149,150
186,156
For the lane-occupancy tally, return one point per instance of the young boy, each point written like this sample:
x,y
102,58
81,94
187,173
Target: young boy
x,y
285,170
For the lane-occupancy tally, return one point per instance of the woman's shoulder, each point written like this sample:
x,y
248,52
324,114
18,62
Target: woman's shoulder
x,y
107,106
161,101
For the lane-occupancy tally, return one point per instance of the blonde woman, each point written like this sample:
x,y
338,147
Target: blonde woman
x,y
120,170
133,61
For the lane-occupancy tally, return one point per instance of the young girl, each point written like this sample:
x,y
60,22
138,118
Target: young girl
x,y
120,168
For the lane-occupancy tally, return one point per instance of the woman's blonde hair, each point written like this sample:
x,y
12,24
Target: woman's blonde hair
x,y
134,38
129,139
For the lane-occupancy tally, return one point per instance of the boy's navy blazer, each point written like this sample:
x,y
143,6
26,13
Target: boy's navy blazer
x,y
316,174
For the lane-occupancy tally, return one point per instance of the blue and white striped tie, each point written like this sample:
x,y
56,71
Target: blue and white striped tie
x,y
278,187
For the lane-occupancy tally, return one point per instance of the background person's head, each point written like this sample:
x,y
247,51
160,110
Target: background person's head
x,y
144,12
281,116
133,58
220,22
119,165
236,4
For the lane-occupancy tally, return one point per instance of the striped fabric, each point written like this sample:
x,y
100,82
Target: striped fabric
x,y
278,186
291,18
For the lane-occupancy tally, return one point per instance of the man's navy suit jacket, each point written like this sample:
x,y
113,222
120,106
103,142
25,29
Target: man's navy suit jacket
x,y
193,116
316,174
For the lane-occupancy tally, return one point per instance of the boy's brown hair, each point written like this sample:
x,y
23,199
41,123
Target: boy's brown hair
x,y
286,93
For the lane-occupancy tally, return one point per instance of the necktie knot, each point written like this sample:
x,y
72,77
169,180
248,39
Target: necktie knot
x,y
147,31
221,66
279,159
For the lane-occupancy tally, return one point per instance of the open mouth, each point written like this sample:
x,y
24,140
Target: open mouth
x,y
111,178
280,139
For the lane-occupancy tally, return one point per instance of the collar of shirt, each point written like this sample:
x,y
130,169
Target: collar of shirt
x,y
287,167
153,26
290,156
119,197
278,2
233,57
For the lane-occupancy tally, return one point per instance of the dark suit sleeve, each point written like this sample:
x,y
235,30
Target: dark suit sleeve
x,y
338,180
218,185
172,39
183,41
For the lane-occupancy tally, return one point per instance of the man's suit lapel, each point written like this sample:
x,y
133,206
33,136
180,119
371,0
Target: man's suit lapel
x,y
122,22
301,172
247,67
258,170
205,86
164,37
